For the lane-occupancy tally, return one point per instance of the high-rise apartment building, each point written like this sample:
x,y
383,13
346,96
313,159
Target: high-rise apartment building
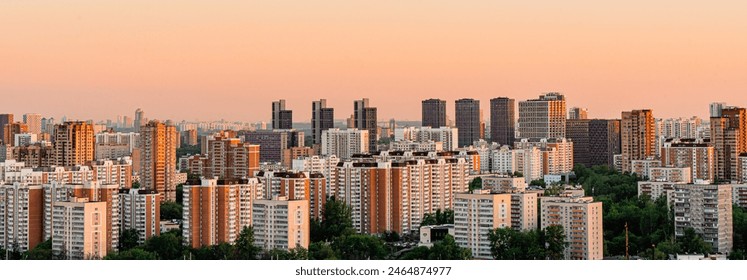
x,y
158,159
4,120
320,165
140,120
364,118
636,137
524,207
468,121
448,136
475,215
79,229
273,142
345,143
230,158
697,154
604,142
434,113
557,154
322,118
281,118
11,130
33,121
189,137
140,209
502,120
21,216
543,117
577,113
281,223
729,140
215,211
73,143
707,209
581,220
577,131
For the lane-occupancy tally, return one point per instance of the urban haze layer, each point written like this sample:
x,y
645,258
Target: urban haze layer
x,y
535,181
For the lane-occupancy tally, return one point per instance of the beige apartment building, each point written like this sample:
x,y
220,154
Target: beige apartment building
x,y
637,137
708,210
73,143
475,215
140,209
729,140
581,220
79,229
280,223
215,211
544,117
158,159
697,154
21,216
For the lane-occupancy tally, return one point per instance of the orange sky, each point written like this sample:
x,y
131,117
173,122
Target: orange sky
x,y
207,60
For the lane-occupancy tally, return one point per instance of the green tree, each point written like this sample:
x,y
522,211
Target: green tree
x,y
336,221
417,253
167,246
132,254
447,249
135,185
737,255
321,251
439,217
554,240
171,211
245,248
42,251
128,239
180,194
739,222
360,247
390,236
298,253
692,243
518,174
509,244
476,184
538,182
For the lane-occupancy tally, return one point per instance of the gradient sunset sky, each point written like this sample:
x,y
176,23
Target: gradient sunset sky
x,y
209,60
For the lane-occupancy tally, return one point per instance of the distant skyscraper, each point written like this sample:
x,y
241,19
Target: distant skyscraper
x,y
4,119
322,118
11,130
281,118
715,109
158,159
467,121
434,113
729,139
502,120
543,117
139,119
636,137
576,113
33,121
364,118
73,143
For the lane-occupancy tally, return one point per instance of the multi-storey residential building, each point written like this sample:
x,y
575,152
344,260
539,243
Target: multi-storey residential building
x,y
189,137
345,143
215,211
273,142
577,113
656,189
707,210
140,209
158,158
581,220
93,191
468,121
281,118
577,131
434,113
604,142
281,223
36,155
406,145
637,137
729,139
295,153
11,130
322,118
697,154
670,174
739,194
557,154
116,172
78,229
364,118
678,128
543,117
320,165
502,120
446,135
475,215
643,166
110,151
33,121
73,144
503,160
4,120
229,158
129,139
21,216
140,119
503,183
524,207
530,163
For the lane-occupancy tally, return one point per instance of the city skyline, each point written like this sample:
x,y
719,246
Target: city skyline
x,y
239,57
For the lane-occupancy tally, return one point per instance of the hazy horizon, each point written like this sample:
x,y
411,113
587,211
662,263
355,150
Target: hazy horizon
x,y
189,60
